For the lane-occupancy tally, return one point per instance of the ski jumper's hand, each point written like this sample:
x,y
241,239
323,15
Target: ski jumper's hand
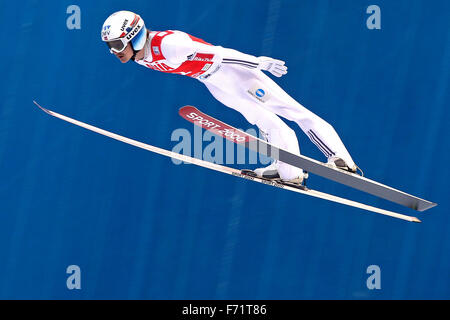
x,y
274,66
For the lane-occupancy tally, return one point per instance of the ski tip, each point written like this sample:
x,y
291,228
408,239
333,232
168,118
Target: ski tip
x,y
187,107
42,108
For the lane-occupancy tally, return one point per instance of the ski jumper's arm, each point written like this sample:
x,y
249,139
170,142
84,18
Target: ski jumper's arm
x,y
179,46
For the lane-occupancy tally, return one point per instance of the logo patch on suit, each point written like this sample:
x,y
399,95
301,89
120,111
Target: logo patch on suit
x,y
259,93
206,66
156,50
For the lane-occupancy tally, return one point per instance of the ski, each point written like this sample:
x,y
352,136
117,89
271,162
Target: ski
x,y
228,170
220,128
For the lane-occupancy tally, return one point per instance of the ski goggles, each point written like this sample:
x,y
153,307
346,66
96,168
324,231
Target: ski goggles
x,y
138,42
117,46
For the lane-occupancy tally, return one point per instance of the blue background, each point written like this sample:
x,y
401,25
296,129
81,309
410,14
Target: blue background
x,y
141,227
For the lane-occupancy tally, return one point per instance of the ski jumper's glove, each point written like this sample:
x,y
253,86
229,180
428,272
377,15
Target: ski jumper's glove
x,y
274,66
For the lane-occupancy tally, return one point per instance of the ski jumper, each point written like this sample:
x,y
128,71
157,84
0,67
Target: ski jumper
x,y
234,79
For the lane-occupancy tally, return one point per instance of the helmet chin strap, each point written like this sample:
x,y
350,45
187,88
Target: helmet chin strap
x,y
134,54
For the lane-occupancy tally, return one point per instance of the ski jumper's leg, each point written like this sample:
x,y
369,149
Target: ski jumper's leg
x,y
229,88
321,133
